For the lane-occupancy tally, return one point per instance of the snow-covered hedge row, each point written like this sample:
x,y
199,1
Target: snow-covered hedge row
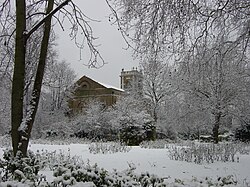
x,y
157,144
208,152
71,171
108,147
67,171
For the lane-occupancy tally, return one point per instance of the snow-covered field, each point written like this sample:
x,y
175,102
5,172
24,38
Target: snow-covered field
x,y
154,161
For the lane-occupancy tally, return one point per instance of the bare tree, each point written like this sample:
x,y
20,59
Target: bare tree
x,y
53,105
188,31
40,13
169,27
157,79
58,79
217,78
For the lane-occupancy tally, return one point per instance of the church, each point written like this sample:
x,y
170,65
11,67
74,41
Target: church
x,y
87,89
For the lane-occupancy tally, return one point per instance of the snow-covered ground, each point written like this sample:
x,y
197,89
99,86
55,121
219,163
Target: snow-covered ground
x,y
154,161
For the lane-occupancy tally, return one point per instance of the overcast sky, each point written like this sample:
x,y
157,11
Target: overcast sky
x,y
112,46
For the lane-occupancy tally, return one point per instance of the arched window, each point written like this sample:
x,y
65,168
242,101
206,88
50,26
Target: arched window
x,y
85,85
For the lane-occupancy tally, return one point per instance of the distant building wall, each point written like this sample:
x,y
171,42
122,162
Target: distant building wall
x,y
88,89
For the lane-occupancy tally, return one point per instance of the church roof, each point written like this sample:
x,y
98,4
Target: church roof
x,y
102,84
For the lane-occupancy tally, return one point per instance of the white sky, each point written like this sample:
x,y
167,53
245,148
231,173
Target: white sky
x,y
112,46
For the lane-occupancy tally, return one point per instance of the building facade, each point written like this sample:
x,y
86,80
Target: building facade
x,y
131,81
87,89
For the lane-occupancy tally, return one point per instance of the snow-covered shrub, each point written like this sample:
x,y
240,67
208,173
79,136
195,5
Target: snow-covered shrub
x,y
127,121
58,130
229,181
70,175
243,133
135,128
130,178
131,132
94,123
209,153
108,147
19,168
157,144
57,158
133,122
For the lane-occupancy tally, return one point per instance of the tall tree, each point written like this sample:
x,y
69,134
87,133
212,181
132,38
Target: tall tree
x,y
19,74
157,85
40,13
58,79
217,79
160,28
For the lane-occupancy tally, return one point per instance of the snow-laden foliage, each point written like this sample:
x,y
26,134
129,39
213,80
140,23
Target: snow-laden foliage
x,y
134,128
69,170
19,168
109,147
208,153
229,180
71,174
243,133
157,144
133,121
94,123
127,122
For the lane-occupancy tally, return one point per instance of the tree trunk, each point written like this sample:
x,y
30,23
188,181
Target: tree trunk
x,y
216,127
19,74
38,82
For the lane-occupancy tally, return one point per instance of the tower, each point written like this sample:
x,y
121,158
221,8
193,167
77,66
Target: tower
x,y
131,81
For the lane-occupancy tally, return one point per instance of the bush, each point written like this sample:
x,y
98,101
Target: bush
x,y
69,174
157,144
135,129
109,147
132,135
243,133
209,153
19,168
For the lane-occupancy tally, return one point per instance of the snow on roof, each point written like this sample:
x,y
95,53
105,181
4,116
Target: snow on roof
x,y
109,86
105,85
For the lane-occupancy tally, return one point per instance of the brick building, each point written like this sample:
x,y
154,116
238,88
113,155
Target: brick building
x,y
88,89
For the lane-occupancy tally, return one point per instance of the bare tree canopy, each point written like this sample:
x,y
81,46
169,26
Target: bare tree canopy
x,y
65,11
162,27
208,41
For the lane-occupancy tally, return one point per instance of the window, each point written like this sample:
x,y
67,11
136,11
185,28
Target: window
x,y
84,85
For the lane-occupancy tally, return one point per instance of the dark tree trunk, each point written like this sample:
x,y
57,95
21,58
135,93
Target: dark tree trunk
x,y
216,127
20,127
19,74
38,82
